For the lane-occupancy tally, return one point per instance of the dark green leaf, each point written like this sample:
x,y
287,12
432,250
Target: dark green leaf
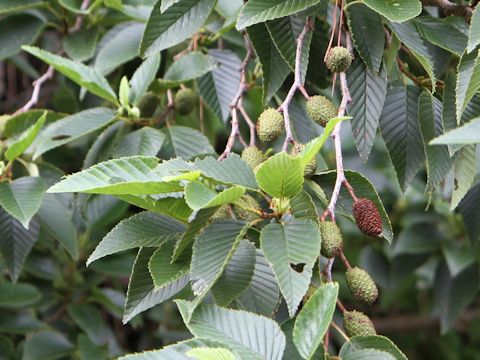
x,y
83,75
175,24
81,45
368,92
401,131
18,30
18,295
367,34
396,10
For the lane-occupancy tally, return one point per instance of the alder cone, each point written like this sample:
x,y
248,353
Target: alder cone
x,y
367,217
361,285
357,323
332,240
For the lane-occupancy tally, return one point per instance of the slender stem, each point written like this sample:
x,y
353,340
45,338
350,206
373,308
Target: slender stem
x,y
37,85
237,105
345,260
340,306
79,19
340,331
297,83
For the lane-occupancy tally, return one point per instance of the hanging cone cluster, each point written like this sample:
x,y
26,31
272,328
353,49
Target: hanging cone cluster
x,y
338,59
184,101
357,323
332,240
253,156
367,217
361,285
269,125
321,110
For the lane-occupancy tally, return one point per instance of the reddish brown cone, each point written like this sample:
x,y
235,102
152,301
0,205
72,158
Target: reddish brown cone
x,y
367,217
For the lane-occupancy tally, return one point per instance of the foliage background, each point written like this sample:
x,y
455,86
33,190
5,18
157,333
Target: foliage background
x,y
428,277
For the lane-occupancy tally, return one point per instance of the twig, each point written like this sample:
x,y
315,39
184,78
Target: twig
x,y
344,260
297,83
450,8
340,306
37,85
340,331
79,20
237,105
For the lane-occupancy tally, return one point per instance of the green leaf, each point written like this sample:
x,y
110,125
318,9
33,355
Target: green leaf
x,y
16,242
258,11
14,296
176,351
469,133
409,36
146,141
89,351
84,76
251,336
449,116
185,142
262,295
118,46
9,6
130,175
368,36
464,170
368,91
19,146
396,10
237,274
452,294
284,33
18,30
458,258
232,170
199,220
474,31
274,68
89,319
314,320
81,45
219,87
291,352
21,198
281,176
71,128
46,345
140,230
469,208
401,131
212,251
123,91
468,80
369,354
57,220
189,67
174,25
143,77
442,33
363,189
291,249
314,146
163,271
303,207
381,343
200,196
211,354
438,159
142,294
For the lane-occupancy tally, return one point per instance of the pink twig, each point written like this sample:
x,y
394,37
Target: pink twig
x,y
297,84
37,85
79,20
237,105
